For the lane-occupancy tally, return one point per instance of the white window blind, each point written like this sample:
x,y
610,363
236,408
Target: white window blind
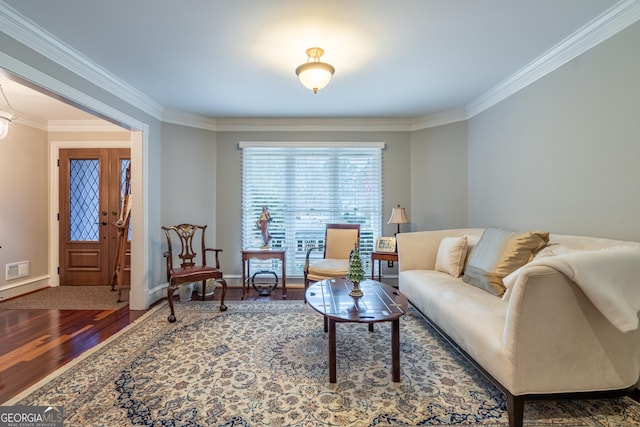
x,y
306,188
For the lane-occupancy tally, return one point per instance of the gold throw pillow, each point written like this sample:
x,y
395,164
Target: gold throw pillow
x,y
498,253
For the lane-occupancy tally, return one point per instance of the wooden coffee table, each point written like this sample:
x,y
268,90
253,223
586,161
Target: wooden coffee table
x,y
380,303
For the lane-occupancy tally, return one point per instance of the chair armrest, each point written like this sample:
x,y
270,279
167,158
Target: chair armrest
x,y
306,260
217,251
169,258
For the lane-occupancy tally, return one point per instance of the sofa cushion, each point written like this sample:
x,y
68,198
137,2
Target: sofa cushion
x,y
471,317
451,255
500,252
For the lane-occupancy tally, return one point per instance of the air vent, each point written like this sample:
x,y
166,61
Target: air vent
x,y
17,269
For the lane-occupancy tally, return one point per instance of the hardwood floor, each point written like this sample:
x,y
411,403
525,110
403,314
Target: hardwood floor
x,y
35,343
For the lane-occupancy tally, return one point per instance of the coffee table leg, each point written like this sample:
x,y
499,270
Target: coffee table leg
x,y
395,349
332,351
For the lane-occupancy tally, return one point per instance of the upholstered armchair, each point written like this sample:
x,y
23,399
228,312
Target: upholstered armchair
x,y
339,241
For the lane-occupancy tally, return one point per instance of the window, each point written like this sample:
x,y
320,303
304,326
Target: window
x,y
305,188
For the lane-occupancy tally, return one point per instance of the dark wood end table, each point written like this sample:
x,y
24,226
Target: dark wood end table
x,y
381,256
249,254
380,303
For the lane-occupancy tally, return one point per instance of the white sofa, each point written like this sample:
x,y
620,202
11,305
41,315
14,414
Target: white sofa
x,y
543,339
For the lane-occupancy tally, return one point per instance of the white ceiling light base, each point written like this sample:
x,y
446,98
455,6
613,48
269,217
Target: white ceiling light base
x,y
314,74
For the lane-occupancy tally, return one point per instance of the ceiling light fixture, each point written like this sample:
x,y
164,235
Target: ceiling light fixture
x,y
6,117
314,74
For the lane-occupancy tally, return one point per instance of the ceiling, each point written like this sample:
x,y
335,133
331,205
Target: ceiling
x,y
236,59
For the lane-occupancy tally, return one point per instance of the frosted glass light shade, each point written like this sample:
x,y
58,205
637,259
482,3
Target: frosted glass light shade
x,y
5,120
315,75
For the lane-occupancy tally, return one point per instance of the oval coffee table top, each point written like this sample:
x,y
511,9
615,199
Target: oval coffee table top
x,y
379,303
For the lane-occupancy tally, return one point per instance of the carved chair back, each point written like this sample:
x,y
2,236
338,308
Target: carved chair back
x,y
187,235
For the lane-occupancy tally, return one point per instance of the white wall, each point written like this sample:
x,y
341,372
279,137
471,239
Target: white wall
x,y
439,177
24,202
563,153
189,177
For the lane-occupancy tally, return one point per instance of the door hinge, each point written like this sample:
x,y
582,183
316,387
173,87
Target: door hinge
x,y
58,162
58,270
58,216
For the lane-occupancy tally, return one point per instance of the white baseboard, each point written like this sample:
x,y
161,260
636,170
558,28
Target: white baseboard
x,y
22,287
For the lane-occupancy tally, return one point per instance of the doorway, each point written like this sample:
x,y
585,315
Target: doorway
x,y
91,188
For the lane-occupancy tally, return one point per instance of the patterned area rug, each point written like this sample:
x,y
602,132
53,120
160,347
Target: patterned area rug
x,y
69,298
265,364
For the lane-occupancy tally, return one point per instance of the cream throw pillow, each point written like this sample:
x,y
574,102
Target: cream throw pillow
x,y
451,255
472,242
500,252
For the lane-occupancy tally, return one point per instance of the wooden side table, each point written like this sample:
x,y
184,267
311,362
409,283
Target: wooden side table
x,y
249,254
381,256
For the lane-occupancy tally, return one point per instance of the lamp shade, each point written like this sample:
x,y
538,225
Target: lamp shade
x,y
315,75
398,216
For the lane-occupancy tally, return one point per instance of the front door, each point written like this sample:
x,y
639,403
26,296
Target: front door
x,y
91,188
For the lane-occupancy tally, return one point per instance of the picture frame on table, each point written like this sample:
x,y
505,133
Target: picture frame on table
x,y
386,244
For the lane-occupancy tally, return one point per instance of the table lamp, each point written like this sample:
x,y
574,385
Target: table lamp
x,y
398,216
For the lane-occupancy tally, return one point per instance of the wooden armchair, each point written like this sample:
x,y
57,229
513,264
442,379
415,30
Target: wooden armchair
x,y
189,271
339,241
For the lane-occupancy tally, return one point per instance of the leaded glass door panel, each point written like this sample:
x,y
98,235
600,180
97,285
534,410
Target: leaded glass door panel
x,y
90,197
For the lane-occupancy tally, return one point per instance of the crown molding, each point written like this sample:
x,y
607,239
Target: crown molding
x,y
33,122
30,34
610,22
314,125
310,125
68,125
83,126
438,119
187,119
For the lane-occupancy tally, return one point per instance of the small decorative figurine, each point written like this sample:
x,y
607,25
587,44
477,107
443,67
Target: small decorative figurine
x,y
355,273
263,225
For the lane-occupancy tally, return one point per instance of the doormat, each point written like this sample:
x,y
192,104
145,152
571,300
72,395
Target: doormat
x,y
69,298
